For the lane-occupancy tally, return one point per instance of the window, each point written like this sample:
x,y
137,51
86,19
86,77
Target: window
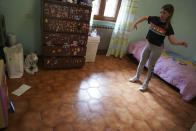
x,y
106,9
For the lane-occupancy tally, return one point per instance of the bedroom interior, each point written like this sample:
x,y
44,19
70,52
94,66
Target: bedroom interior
x,y
96,95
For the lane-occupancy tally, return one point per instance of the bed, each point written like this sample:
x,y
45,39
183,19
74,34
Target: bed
x,y
172,68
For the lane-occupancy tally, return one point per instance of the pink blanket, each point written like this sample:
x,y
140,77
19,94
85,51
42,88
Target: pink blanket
x,y
173,68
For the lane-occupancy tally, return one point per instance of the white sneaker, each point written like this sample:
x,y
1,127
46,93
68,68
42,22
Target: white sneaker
x,y
134,79
143,87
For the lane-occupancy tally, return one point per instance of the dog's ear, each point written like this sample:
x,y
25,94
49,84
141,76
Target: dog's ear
x,y
31,53
35,52
31,57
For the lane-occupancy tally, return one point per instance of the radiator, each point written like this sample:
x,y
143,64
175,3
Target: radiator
x,y
105,33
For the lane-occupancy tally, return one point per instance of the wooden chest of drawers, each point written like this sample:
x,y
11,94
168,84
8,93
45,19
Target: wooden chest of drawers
x,y
65,28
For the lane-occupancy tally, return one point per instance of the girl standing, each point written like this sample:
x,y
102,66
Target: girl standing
x,y
159,28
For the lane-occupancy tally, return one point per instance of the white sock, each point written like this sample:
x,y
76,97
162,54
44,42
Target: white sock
x,y
143,87
134,79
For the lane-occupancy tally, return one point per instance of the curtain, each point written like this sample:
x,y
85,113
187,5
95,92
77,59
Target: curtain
x,y
121,33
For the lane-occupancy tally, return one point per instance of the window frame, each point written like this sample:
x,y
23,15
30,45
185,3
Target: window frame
x,y
101,16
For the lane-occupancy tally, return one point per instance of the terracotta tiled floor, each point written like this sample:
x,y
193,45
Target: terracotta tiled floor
x,y
98,97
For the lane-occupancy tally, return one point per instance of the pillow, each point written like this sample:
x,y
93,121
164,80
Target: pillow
x,y
178,58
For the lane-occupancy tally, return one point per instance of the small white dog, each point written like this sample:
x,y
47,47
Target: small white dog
x,y
30,64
